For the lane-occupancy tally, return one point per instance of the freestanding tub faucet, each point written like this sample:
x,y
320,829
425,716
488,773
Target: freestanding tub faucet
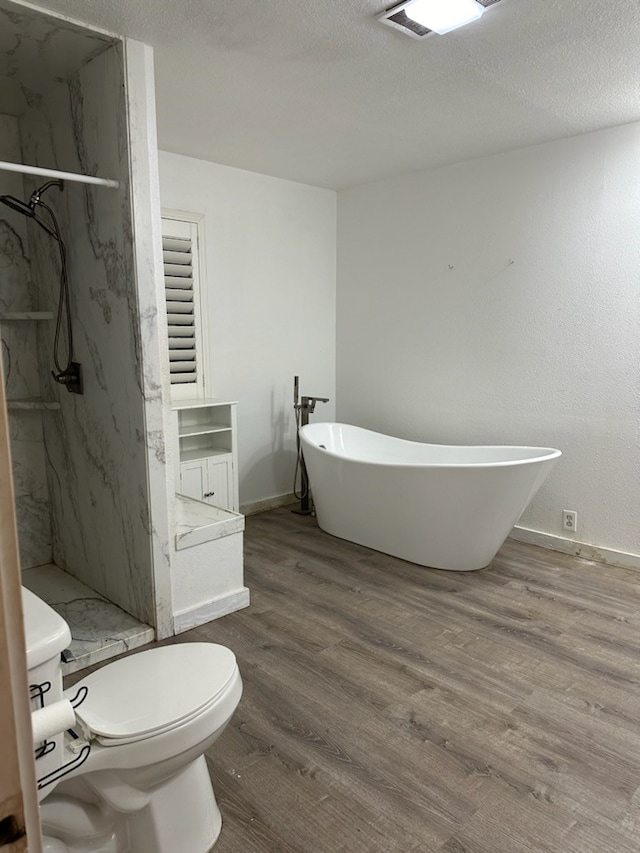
x,y
303,409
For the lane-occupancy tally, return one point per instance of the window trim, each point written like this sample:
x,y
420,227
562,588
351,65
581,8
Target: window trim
x,y
180,391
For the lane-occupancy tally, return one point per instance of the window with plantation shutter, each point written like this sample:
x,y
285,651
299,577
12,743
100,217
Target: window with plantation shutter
x,y
182,283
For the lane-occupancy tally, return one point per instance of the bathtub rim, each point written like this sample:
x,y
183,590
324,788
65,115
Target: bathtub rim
x,y
546,454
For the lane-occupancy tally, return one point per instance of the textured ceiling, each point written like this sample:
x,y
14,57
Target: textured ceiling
x,y
321,92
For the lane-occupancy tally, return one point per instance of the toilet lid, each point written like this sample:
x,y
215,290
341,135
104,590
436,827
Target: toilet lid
x,y
155,689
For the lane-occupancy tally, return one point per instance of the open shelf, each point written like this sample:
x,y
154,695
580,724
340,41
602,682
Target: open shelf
x,y
202,452
205,428
201,429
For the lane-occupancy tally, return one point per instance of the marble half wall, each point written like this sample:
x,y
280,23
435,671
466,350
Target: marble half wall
x,y
160,422
96,445
20,365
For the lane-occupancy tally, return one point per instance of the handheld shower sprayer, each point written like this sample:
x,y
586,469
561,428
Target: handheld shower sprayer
x,y
71,374
29,208
17,205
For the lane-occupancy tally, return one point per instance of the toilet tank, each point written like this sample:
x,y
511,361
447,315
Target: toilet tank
x,y
47,635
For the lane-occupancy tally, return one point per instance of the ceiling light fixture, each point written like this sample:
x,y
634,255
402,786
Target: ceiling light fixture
x,y
442,16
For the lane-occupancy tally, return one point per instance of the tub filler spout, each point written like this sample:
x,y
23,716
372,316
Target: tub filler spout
x,y
308,406
303,409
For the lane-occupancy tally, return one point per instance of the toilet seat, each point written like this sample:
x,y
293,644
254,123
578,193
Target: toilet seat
x,y
154,691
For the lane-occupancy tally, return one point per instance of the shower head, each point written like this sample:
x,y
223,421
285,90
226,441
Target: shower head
x,y
17,205
29,208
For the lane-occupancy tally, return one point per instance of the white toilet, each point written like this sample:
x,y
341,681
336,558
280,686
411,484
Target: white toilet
x,y
130,775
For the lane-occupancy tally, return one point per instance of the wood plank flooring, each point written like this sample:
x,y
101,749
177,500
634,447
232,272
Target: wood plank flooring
x,y
388,707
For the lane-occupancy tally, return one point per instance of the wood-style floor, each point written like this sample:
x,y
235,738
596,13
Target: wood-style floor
x,y
389,707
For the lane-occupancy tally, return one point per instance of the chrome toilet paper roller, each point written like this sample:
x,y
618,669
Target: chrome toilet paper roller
x,y
52,720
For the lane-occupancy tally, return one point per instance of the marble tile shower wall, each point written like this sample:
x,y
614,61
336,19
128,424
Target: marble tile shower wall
x,y
95,444
20,363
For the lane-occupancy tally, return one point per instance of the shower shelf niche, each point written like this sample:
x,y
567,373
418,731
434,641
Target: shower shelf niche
x,y
25,315
30,404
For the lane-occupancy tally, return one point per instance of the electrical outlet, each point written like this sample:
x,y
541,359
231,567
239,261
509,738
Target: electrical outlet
x,y
570,519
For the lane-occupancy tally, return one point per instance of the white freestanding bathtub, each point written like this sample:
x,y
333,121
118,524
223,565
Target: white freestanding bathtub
x,y
437,505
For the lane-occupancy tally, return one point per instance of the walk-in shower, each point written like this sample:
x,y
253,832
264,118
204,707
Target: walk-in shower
x,y
71,374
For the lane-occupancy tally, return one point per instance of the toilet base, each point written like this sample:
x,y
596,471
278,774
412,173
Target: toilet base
x,y
54,845
180,816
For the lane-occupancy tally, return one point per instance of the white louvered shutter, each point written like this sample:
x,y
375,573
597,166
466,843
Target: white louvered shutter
x,y
182,292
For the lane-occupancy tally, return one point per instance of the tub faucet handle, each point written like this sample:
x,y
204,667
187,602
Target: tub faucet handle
x,y
309,403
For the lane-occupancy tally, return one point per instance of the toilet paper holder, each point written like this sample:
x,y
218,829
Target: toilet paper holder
x,y
38,692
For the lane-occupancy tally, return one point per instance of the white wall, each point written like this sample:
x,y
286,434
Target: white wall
x,y
270,254
497,301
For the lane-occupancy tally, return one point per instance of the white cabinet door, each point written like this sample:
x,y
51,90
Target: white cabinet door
x,y
194,479
218,492
210,480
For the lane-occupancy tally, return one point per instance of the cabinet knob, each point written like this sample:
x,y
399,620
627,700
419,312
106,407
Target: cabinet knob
x,y
209,494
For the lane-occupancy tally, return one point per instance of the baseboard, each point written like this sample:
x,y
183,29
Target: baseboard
x,y
210,610
267,504
608,556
